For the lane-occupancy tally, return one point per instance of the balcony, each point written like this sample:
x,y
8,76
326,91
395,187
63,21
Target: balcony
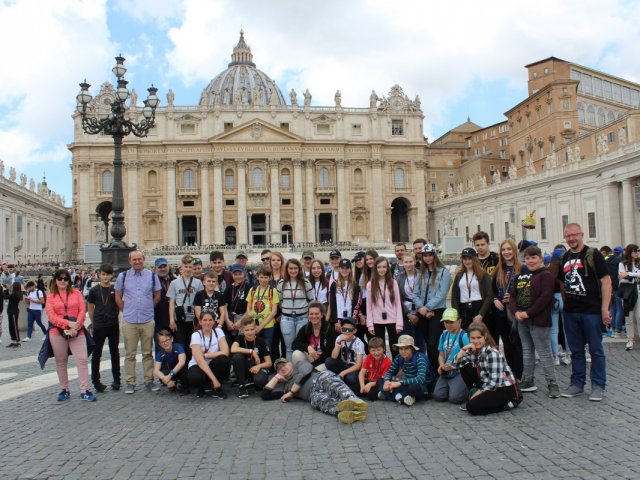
x,y
258,191
105,193
188,192
152,191
325,191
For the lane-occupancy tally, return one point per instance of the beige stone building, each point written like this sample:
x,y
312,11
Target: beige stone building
x,y
574,146
35,226
247,166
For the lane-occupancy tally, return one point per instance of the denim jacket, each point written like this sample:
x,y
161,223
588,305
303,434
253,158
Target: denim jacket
x,y
436,295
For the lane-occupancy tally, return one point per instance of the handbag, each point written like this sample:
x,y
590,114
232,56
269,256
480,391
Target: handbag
x,y
628,292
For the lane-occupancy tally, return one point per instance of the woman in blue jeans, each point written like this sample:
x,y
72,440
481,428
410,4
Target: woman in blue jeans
x,y
295,293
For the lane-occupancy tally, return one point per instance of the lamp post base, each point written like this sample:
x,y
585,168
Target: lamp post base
x,y
117,254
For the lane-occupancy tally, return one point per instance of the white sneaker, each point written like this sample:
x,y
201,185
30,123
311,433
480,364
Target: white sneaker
x,y
556,362
26,339
629,345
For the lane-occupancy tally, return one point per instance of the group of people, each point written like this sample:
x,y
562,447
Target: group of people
x,y
327,327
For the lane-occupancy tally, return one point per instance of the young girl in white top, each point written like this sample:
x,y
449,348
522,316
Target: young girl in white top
x,y
209,364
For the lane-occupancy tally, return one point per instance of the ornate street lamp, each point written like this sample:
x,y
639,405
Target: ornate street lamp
x,y
118,126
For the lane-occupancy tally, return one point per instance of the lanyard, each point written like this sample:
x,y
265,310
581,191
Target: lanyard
x,y
206,350
294,292
377,368
235,294
409,285
344,292
102,297
468,282
450,344
316,290
383,294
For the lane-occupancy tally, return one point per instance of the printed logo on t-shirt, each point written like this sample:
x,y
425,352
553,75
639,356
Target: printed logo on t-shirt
x,y
573,283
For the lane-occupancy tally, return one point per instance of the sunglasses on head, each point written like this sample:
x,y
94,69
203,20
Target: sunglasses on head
x,y
348,330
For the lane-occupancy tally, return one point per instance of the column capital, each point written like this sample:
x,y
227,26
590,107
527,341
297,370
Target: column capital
x,y
341,162
273,162
297,162
242,162
217,162
420,164
168,163
133,164
83,166
377,162
204,162
308,162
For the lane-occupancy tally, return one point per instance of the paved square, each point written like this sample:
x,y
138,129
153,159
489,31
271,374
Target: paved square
x,y
159,435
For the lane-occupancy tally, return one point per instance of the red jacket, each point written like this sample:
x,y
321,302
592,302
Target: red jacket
x,y
56,310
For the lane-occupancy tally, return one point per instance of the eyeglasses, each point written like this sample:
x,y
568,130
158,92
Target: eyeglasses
x,y
348,330
165,342
265,259
63,279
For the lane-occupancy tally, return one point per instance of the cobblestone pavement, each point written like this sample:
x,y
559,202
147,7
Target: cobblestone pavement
x,y
160,435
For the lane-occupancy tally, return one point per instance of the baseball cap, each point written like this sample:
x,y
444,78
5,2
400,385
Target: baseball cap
x,y
279,362
618,249
161,261
469,252
236,267
449,315
335,253
344,263
308,254
241,254
197,261
358,256
429,248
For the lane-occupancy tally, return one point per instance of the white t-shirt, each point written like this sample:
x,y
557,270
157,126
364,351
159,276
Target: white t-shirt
x,y
349,351
208,344
469,288
320,292
34,297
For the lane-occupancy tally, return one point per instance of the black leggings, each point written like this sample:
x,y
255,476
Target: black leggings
x,y
500,328
468,311
489,401
431,329
390,328
220,368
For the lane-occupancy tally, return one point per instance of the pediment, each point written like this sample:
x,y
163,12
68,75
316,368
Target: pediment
x,y
257,131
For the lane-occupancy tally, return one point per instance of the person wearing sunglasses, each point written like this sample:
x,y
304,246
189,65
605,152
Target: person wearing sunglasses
x,y
66,313
346,357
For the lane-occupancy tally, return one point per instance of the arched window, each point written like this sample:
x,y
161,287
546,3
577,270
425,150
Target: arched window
x,y
601,117
188,179
398,178
358,178
580,107
591,115
285,179
152,179
611,117
230,235
323,177
106,182
257,177
229,182
360,228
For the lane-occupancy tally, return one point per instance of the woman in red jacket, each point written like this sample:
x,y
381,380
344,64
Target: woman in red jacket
x,y
65,311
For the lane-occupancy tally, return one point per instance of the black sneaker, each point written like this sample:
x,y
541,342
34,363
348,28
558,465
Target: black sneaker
x,y
242,392
218,393
200,393
115,386
100,387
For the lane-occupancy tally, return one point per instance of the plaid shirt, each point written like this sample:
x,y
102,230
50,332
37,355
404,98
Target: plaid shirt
x,y
492,367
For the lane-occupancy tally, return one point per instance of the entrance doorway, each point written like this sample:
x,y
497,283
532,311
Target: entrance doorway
x,y
258,228
230,236
325,227
400,220
189,230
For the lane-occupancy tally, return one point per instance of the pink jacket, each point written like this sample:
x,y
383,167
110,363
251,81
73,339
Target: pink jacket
x,y
55,309
394,310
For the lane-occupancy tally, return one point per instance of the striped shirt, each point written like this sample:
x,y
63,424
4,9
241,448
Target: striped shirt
x,y
295,297
414,372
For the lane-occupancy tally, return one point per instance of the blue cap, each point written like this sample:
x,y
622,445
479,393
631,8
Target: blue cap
x,y
161,261
618,249
236,267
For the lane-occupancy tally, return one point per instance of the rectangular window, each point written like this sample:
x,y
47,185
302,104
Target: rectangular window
x,y
491,232
610,137
323,129
439,237
228,126
565,221
586,83
477,228
466,232
188,203
617,93
606,90
286,201
284,126
506,229
325,201
452,174
397,127
229,202
187,129
591,216
356,130
626,95
543,228
434,188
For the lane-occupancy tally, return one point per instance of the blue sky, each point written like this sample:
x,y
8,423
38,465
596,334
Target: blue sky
x,y
467,61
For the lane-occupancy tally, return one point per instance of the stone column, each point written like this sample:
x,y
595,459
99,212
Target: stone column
x,y
275,200
218,210
342,198
180,236
610,216
171,219
205,208
84,210
312,221
241,171
420,226
628,222
316,237
132,210
334,228
378,211
298,206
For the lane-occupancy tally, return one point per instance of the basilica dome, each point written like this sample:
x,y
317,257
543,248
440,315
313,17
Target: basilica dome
x,y
242,83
